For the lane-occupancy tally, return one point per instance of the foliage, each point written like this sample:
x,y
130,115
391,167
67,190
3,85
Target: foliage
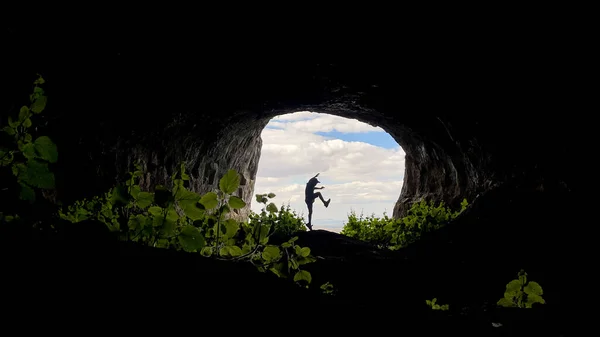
x,y
27,157
435,306
327,288
522,294
394,234
182,219
284,221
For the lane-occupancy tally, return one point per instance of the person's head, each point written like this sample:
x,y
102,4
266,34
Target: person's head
x,y
313,181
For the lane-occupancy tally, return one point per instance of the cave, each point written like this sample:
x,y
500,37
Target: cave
x,y
475,128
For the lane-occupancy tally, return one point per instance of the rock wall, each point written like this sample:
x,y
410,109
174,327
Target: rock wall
x,y
462,123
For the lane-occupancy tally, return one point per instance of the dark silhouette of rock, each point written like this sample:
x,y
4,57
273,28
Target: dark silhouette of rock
x,y
479,127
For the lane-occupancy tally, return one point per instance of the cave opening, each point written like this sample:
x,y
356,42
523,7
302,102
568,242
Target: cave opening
x,y
360,166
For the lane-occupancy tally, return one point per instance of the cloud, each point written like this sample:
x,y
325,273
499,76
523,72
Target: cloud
x,y
314,122
356,175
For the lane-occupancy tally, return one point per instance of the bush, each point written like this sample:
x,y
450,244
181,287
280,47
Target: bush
x,y
284,221
394,234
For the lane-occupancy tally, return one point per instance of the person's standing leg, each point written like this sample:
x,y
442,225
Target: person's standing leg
x,y
309,204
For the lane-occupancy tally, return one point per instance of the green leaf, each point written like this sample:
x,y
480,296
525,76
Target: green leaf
x,y
272,208
271,253
278,269
6,157
135,191
224,209
46,149
303,275
39,104
170,222
119,195
236,203
188,201
13,123
24,113
231,251
209,200
27,123
271,195
156,211
35,174
27,193
136,222
533,288
40,80
505,303
304,251
259,197
231,227
513,286
286,245
144,199
534,298
230,182
9,130
522,277
191,239
206,251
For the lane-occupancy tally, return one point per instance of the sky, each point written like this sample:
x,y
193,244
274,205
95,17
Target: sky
x,y
360,166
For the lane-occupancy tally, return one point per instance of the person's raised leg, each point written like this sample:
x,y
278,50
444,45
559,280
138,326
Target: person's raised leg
x,y
326,203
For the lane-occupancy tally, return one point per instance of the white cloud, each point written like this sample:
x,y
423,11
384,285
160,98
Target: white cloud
x,y
356,175
314,122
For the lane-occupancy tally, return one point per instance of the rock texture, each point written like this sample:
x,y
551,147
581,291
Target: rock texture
x,y
466,125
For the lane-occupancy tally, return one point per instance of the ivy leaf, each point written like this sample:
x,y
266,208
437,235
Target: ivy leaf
x,y
144,199
135,191
259,197
156,211
35,173
236,203
188,201
272,208
271,195
302,251
9,130
170,222
119,195
513,286
303,275
504,302
209,200
27,123
534,298
206,251
139,221
271,253
278,269
46,149
12,123
27,193
231,228
39,104
230,251
533,288
230,182
191,239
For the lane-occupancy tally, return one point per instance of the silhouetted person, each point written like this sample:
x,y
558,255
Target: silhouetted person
x,y
310,195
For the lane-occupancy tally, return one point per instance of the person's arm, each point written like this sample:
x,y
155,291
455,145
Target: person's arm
x,y
319,188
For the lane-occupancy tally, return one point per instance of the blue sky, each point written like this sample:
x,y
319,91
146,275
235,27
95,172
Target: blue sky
x,y
361,166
